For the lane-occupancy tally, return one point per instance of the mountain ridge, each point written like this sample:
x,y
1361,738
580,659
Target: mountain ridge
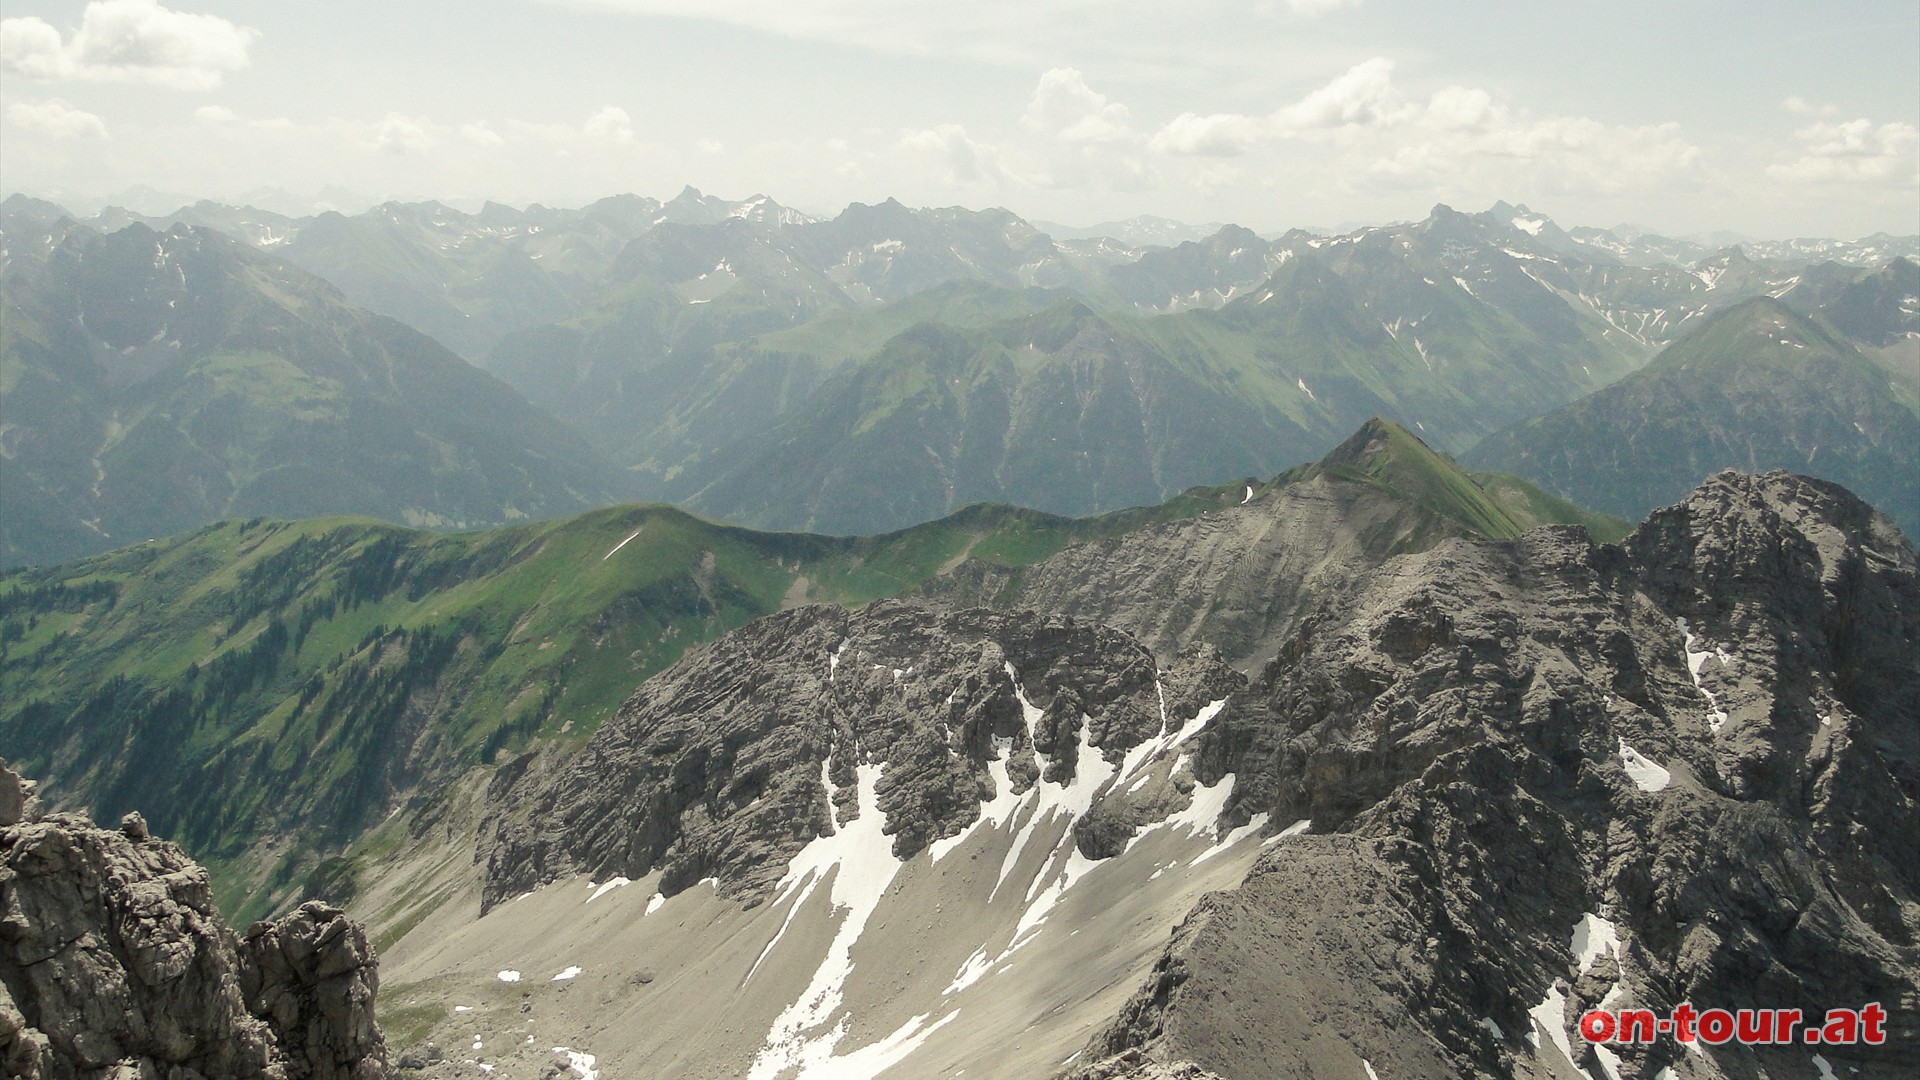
x,y
1762,385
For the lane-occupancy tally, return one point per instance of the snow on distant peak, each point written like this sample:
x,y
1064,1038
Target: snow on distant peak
x,y
1530,226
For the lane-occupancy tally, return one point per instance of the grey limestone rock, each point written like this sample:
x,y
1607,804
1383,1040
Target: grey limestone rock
x,y
722,766
313,977
114,962
1474,725
1705,739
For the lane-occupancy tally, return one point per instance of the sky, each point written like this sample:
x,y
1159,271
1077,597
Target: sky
x,y
1686,117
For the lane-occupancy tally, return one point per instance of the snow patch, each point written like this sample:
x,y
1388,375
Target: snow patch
x,y
1368,1065
1550,1016
622,544
603,890
1609,1061
1234,836
971,971
820,1063
508,976
1298,828
1487,1022
581,1063
1154,748
1530,226
1249,497
1302,383
1646,774
1696,660
1594,937
1826,1069
859,857
571,972
994,813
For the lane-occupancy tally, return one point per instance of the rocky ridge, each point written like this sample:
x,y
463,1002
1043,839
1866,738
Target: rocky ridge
x,y
717,766
1546,774
1540,774
1242,578
114,963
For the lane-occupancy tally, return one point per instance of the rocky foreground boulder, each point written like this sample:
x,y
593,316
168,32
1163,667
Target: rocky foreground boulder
x,y
114,963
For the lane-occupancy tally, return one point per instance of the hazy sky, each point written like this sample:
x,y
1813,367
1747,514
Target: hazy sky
x,y
1685,116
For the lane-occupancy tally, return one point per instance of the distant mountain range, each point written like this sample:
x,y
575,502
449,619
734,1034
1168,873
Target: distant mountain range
x,y
1767,384
158,381
890,365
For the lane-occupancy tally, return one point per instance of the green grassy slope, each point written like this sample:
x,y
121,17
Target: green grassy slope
x,y
271,685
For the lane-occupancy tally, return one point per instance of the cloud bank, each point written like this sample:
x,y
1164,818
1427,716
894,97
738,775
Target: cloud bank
x,y
135,41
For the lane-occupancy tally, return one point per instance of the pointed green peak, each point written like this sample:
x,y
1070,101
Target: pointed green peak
x,y
1387,455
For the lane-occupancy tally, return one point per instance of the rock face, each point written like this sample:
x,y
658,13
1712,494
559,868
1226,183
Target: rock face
x,y
312,976
1683,770
114,962
724,765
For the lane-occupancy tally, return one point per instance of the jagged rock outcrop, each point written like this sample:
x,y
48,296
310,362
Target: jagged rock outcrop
x,y
312,976
114,963
723,765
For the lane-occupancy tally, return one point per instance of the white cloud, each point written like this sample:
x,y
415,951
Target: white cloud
x,y
1362,97
402,136
960,158
1218,135
609,125
1853,152
480,135
1461,108
712,146
32,49
128,41
1800,106
215,114
57,118
1064,106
